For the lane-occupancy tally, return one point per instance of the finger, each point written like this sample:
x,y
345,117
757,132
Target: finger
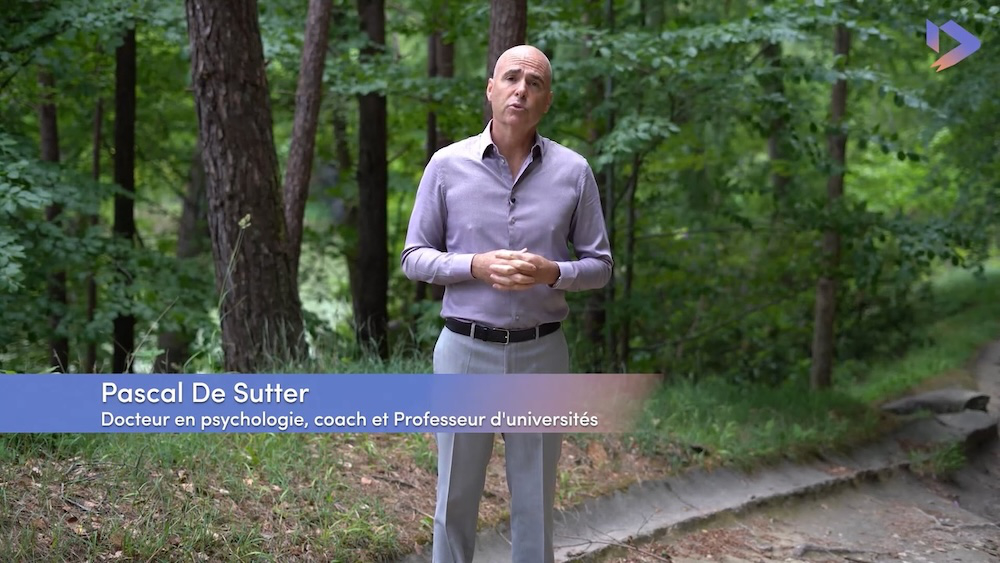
x,y
514,267
516,279
502,280
524,266
523,279
506,254
512,255
503,269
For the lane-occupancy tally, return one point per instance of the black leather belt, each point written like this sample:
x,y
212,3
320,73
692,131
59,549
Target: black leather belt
x,y
501,335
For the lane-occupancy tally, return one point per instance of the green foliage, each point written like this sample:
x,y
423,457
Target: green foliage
x,y
33,249
679,98
746,424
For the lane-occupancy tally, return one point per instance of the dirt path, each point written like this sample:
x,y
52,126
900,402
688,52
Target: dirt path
x,y
902,518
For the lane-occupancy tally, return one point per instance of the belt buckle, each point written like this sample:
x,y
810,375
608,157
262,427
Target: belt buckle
x,y
506,336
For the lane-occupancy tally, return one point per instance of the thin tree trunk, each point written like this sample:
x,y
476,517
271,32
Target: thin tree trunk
x,y
446,69
655,11
192,241
347,217
49,133
609,208
594,314
90,358
260,312
370,289
341,148
308,98
124,227
508,28
826,289
431,143
777,140
445,55
440,63
630,218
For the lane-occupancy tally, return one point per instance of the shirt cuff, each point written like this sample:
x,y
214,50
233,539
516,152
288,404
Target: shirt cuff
x,y
461,267
567,275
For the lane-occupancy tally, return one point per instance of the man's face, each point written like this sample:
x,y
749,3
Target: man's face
x,y
520,91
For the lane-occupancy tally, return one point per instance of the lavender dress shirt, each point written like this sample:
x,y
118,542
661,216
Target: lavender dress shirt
x,y
468,203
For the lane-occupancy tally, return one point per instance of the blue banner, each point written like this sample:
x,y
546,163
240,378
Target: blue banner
x,y
321,402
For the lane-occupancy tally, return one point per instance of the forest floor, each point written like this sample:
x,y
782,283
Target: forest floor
x,y
344,497
331,497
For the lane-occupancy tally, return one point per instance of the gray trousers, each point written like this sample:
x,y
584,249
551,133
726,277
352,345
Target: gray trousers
x,y
532,458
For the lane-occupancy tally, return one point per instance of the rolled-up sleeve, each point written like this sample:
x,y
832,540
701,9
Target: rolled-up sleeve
x,y
425,256
589,237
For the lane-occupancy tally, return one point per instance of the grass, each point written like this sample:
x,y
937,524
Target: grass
x,y
939,462
194,497
727,424
732,424
261,497
964,315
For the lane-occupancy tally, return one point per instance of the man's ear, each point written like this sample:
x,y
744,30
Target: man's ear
x,y
548,102
489,89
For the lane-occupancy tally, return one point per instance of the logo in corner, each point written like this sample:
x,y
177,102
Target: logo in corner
x,y
967,44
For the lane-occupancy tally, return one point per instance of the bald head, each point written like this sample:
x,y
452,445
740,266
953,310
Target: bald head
x,y
520,91
524,53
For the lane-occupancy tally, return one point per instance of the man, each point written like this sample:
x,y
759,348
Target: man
x,y
492,222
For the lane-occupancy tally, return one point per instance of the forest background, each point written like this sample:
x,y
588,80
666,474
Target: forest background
x,y
783,182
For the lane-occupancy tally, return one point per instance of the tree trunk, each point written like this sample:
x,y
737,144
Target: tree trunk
x,y
445,53
49,133
308,98
90,358
431,143
826,288
594,314
192,241
124,227
630,218
508,28
345,216
777,140
609,208
261,315
370,288
440,63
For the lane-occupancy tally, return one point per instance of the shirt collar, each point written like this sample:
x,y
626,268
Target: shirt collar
x,y
486,143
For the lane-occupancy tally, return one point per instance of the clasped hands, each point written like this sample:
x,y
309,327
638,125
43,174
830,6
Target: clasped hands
x,y
514,270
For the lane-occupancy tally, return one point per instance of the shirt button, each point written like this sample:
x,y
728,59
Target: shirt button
x,y
517,317
512,221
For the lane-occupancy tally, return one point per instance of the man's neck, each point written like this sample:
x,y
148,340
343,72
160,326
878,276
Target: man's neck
x,y
513,145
